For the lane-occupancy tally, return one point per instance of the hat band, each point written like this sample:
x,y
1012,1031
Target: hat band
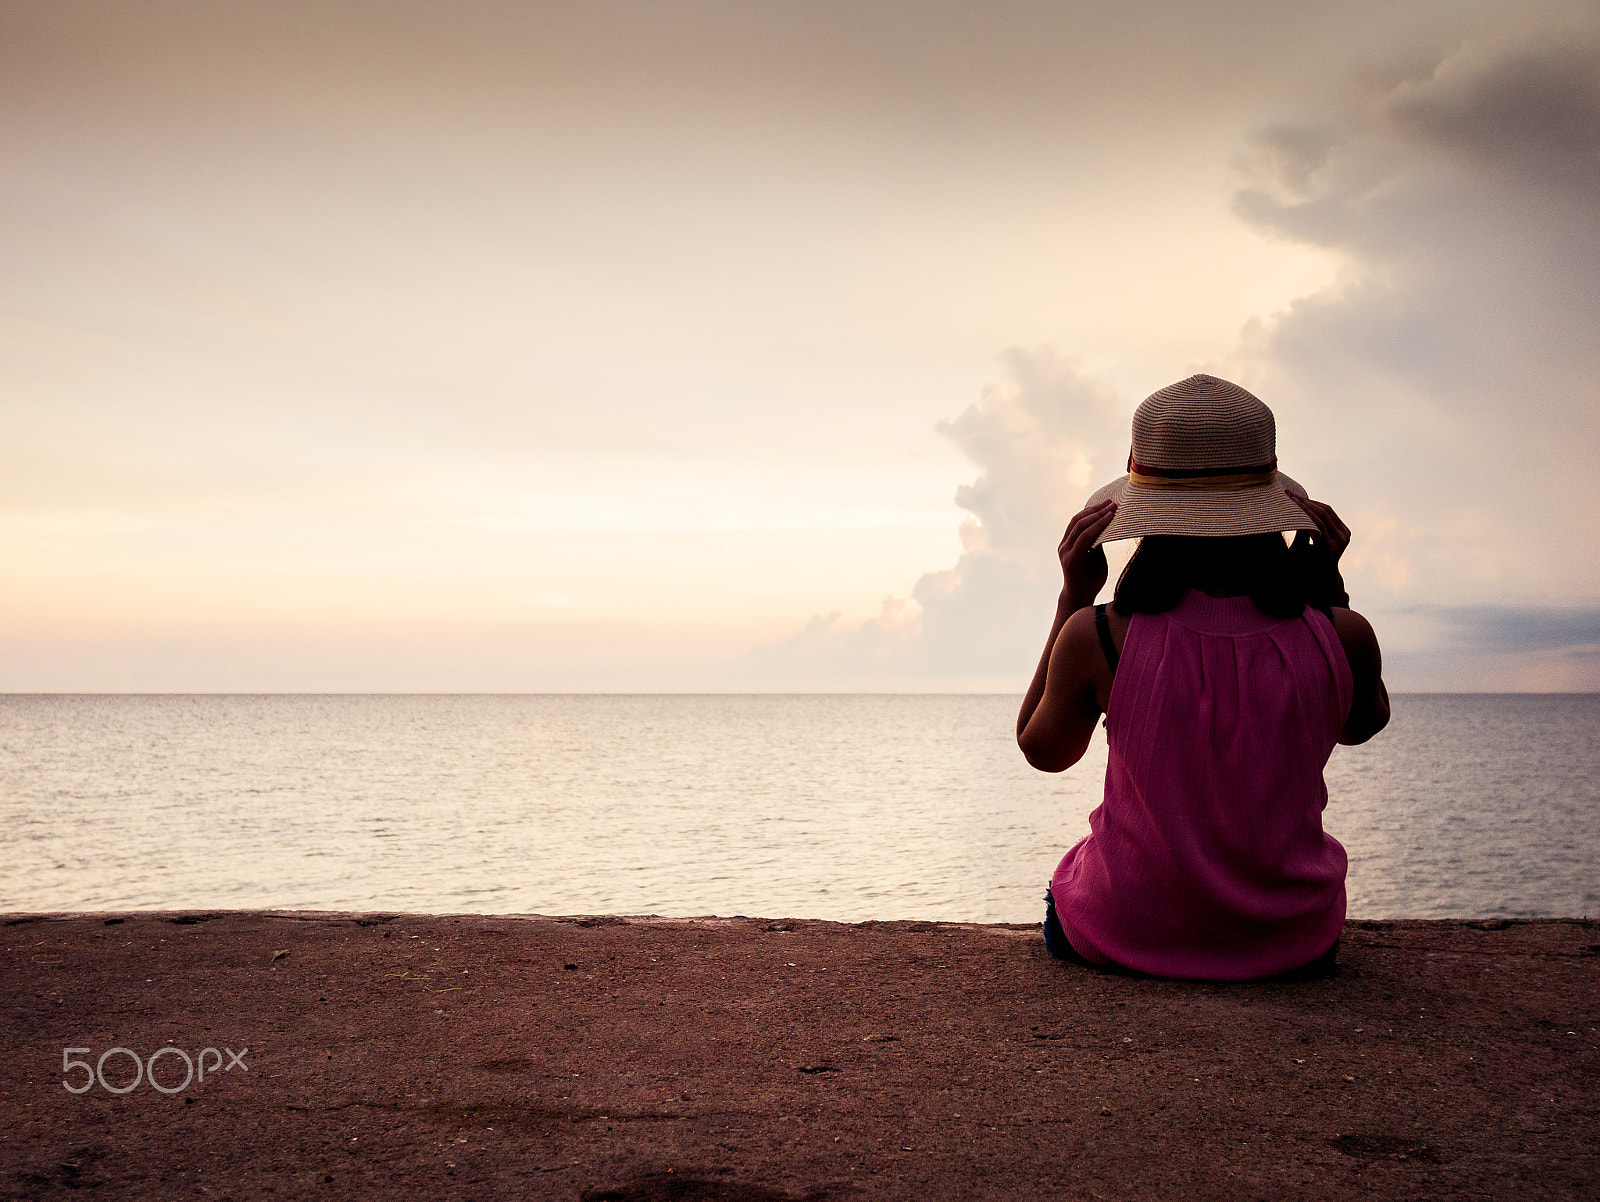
x,y
1217,479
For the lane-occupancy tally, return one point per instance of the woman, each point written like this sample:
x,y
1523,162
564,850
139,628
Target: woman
x,y
1227,667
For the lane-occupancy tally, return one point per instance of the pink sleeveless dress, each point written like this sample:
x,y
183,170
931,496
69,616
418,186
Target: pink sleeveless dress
x,y
1207,858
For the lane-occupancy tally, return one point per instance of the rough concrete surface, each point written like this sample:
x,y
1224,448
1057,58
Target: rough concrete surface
x,y
758,1060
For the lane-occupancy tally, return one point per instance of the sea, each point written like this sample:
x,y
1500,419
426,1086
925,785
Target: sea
x,y
833,807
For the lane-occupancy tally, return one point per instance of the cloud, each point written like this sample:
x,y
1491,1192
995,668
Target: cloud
x,y
1444,394
1453,376
1494,648
1497,629
1042,437
303,293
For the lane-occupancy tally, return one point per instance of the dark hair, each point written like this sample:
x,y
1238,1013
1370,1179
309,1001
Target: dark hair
x,y
1259,566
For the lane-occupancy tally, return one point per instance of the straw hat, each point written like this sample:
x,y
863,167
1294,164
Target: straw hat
x,y
1204,463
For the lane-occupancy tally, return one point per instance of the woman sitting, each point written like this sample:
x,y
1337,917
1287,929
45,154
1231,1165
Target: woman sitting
x,y
1227,666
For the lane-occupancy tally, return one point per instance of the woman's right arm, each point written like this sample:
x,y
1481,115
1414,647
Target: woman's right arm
x,y
1369,707
1319,552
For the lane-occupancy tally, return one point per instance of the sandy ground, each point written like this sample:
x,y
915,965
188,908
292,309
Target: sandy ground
x,y
759,1060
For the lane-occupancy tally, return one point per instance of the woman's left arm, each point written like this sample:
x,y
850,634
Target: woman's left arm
x,y
1059,711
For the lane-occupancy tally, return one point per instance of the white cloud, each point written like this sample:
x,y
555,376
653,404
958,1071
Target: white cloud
x,y
383,312
1444,394
1454,378
1042,437
1447,394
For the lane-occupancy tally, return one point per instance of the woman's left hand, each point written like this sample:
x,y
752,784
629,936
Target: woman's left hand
x,y
1083,565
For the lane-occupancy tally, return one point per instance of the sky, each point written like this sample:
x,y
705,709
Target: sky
x,y
715,346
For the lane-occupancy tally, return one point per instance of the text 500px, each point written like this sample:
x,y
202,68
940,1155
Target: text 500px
x,y
209,1060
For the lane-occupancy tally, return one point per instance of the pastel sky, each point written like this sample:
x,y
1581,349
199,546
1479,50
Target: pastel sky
x,y
705,346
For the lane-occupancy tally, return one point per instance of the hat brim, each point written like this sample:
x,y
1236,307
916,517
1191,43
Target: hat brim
x,y
1259,509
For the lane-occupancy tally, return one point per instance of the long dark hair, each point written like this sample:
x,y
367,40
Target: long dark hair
x,y
1259,566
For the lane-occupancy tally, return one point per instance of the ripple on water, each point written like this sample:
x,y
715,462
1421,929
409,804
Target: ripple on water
x,y
830,807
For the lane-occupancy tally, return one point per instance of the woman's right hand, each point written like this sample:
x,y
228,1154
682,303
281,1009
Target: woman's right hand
x,y
1332,535
1318,553
1083,565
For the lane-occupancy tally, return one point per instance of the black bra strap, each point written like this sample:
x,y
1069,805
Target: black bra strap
x,y
1102,627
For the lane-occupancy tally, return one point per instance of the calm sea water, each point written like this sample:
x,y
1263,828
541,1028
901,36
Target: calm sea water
x,y
842,807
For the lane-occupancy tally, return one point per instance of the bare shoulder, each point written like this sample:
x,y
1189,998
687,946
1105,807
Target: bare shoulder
x,y
1078,637
1354,631
1081,628
1082,663
1369,707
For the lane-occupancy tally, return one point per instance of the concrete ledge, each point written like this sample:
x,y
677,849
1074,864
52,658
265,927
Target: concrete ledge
x,y
601,1057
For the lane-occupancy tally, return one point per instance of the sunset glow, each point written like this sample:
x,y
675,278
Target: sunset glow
x,y
562,347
